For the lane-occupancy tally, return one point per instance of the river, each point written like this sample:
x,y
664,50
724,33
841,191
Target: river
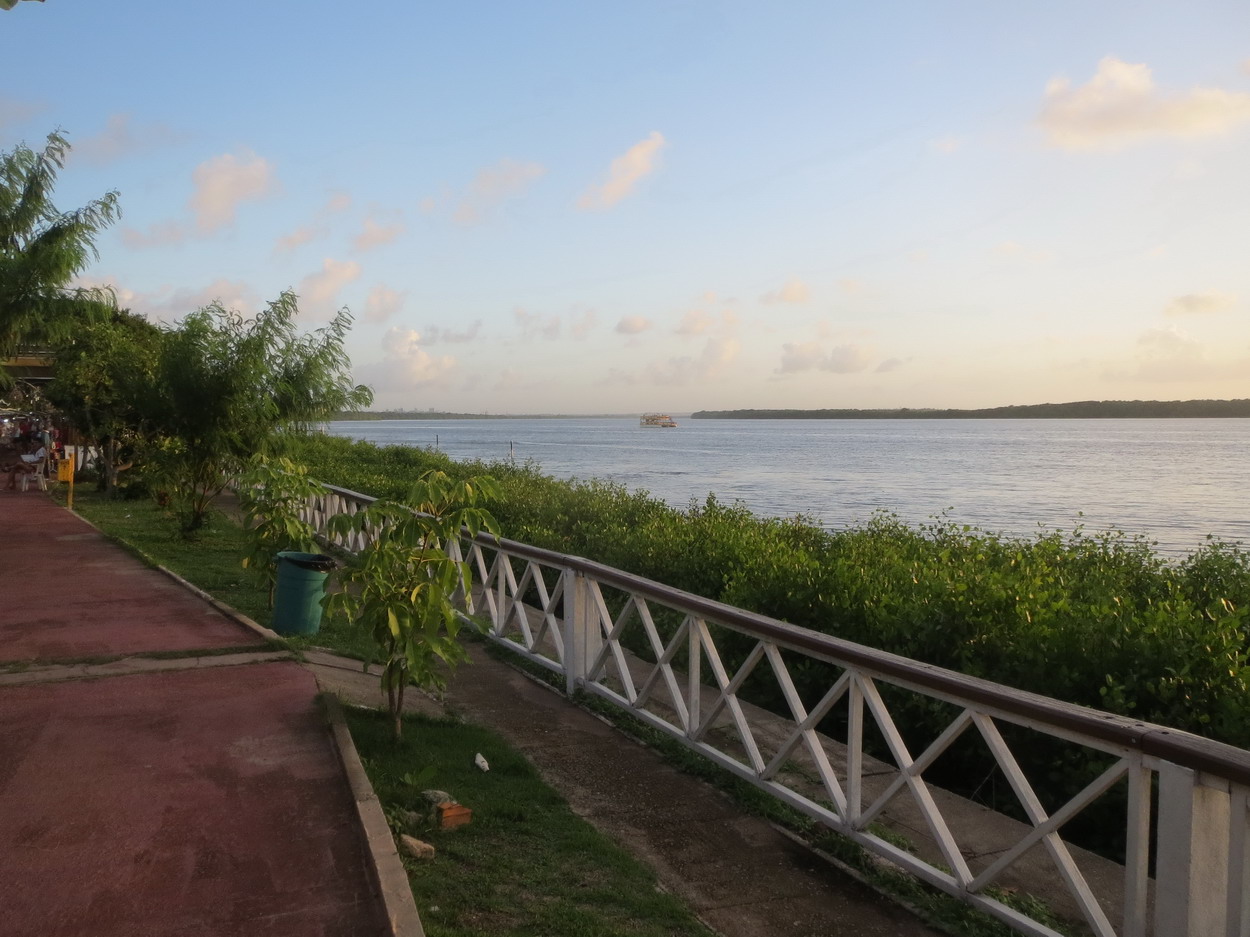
x,y
1174,481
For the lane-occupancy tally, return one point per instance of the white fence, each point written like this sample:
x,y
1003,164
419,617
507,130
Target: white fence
x,y
663,656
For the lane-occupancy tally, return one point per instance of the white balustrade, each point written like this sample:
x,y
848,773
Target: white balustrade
x,y
660,655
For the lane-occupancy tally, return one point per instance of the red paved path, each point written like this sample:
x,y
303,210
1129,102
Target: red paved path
x,y
193,802
66,591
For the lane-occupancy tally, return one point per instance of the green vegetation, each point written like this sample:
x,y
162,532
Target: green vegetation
x,y
526,864
403,587
1077,410
1094,618
42,249
273,494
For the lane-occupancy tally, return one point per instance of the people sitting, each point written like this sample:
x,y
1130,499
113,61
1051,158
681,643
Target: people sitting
x,y
30,462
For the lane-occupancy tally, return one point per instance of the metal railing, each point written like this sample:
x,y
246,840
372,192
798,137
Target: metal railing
x,y
692,668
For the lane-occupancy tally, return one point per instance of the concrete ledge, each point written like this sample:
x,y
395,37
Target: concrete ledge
x,y
229,611
388,870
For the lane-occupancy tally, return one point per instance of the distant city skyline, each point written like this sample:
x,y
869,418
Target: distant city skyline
x,y
575,208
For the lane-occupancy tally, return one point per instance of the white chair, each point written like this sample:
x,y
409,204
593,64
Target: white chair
x,y
39,476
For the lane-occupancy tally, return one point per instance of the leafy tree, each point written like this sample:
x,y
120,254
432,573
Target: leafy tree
x,y
42,249
102,380
403,587
224,389
273,493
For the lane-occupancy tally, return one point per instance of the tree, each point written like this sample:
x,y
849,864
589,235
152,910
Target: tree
x,y
224,389
102,379
43,249
404,585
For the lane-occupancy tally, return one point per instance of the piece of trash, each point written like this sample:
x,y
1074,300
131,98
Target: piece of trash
x,y
481,762
416,848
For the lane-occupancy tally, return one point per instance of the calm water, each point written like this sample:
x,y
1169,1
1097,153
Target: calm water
x,y
1176,481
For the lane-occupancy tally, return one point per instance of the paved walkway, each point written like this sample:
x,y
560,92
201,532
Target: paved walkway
x,y
188,795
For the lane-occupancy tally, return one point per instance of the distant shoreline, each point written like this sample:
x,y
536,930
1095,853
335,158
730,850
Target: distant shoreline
x,y
1080,410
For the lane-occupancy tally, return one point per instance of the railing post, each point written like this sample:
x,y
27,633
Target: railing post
x,y
583,638
1191,873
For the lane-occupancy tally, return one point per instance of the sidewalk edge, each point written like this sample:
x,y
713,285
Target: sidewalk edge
x,y
388,870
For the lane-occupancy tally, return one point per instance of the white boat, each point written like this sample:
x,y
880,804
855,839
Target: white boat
x,y
657,419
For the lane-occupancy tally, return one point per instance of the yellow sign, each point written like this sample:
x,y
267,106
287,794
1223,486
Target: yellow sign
x,y
65,470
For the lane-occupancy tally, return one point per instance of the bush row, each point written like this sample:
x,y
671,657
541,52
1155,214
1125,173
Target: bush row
x,y
1095,618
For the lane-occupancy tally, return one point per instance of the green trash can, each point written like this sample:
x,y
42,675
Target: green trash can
x,y
297,596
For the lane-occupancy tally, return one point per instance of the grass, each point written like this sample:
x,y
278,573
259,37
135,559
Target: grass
x,y
526,864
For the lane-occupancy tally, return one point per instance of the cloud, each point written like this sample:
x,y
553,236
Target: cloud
x,y
223,183
13,111
121,137
375,235
490,188
580,323
1196,304
166,303
320,289
1121,105
889,364
535,325
633,325
406,366
339,202
718,354
807,356
795,291
436,336
625,172
946,144
702,321
382,303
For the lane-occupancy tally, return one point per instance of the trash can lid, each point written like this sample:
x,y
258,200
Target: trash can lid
x,y
317,561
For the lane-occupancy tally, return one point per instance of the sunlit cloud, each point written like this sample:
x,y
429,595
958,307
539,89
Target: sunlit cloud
x,y
797,357
320,289
719,352
383,302
375,234
852,287
889,364
122,137
633,325
625,172
947,144
1121,105
317,228
223,183
406,365
161,234
703,321
1197,304
582,322
490,188
795,291
168,304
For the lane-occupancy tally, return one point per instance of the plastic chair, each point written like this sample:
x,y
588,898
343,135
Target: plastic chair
x,y
39,476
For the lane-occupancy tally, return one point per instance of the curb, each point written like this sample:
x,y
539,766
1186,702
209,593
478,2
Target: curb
x,y
230,612
387,868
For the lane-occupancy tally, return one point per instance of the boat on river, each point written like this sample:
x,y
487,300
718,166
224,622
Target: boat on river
x,y
657,419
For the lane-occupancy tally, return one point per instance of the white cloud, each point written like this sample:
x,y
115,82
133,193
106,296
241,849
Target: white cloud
x,y
889,364
320,289
633,325
383,302
581,323
535,325
718,354
223,183
161,234
406,366
375,234
808,356
625,172
946,144
121,137
795,291
166,303
1195,304
339,202
490,188
1121,104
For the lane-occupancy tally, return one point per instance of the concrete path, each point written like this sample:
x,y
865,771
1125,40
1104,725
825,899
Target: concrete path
x,y
187,795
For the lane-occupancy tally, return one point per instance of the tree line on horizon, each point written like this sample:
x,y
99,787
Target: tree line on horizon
x,y
1080,409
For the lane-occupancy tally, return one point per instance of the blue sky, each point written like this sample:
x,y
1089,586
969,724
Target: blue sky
x,y
609,208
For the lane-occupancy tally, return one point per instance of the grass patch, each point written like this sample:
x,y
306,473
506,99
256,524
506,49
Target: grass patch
x,y
526,864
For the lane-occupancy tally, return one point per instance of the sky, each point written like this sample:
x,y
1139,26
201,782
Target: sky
x,y
586,207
